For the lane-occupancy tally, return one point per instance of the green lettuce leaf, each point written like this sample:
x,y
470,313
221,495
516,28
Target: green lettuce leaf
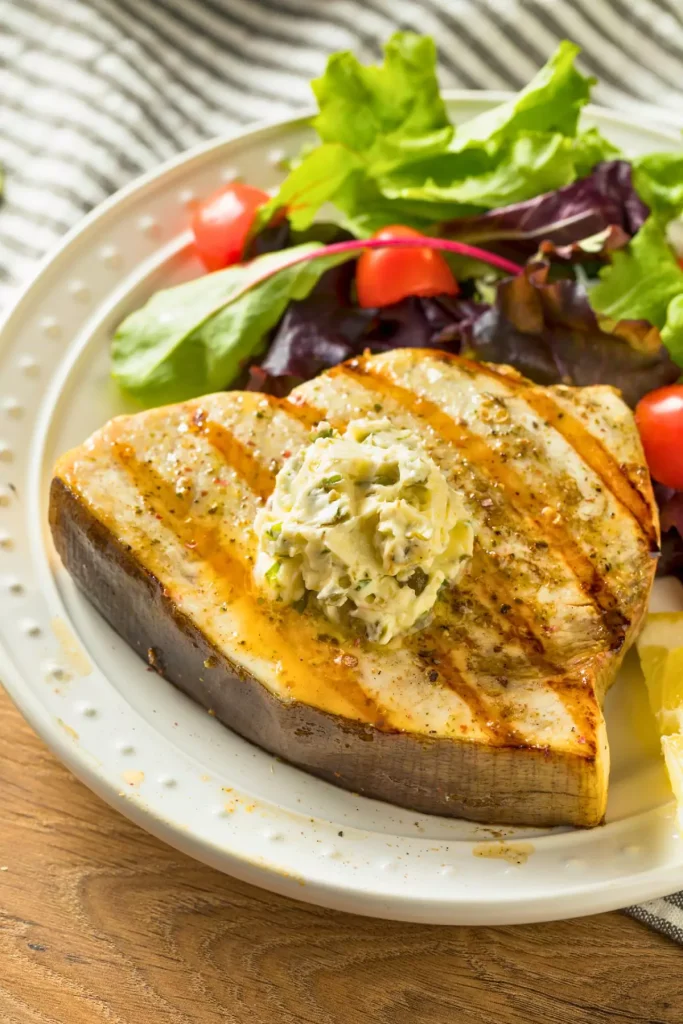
x,y
371,119
641,280
658,179
314,181
645,282
672,332
516,151
390,155
525,166
388,113
366,210
195,338
591,148
551,102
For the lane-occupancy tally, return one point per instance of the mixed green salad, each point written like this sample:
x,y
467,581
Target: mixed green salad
x,y
518,237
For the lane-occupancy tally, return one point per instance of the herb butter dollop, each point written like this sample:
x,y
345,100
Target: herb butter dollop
x,y
368,524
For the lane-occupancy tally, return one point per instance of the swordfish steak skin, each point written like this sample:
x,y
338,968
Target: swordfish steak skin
x,y
492,712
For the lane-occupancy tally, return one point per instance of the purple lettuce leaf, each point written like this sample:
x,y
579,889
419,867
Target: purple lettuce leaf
x,y
311,337
438,322
594,248
548,331
280,235
671,518
589,207
315,333
323,330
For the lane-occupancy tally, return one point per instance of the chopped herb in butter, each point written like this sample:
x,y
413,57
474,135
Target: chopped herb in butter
x,y
367,523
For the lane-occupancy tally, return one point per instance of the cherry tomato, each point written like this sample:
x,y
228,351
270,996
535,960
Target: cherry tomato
x,y
385,276
221,223
659,416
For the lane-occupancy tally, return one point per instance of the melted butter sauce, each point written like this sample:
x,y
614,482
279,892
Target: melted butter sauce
x,y
133,777
513,853
72,651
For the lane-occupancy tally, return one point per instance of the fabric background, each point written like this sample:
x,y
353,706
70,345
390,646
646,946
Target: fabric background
x,y
94,92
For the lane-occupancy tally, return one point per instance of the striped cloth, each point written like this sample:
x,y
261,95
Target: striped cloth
x,y
94,92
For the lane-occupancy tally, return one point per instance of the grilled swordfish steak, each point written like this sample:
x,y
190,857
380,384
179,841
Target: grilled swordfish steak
x,y
492,711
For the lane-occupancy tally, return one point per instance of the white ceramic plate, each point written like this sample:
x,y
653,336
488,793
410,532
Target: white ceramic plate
x,y
159,758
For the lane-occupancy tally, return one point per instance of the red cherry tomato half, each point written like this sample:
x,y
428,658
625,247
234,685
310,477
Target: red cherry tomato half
x,y
221,224
385,276
659,416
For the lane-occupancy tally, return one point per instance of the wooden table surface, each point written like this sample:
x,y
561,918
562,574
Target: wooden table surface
x,y
102,924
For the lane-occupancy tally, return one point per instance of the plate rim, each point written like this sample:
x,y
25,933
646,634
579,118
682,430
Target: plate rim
x,y
401,906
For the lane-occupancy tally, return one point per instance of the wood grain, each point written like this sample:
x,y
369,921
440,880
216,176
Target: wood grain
x,y
102,924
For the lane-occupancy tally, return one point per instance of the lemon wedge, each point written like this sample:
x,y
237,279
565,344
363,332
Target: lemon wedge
x,y
660,647
673,755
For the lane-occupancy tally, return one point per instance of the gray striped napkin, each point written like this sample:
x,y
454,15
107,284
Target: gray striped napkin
x,y
94,92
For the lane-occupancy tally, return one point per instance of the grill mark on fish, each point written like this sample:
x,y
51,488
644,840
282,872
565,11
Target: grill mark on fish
x,y
434,652
568,683
483,459
519,622
577,694
481,591
572,688
235,453
292,405
243,458
306,414
234,581
588,447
